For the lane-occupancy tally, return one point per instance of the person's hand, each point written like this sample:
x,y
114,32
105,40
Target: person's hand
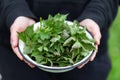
x,y
19,25
94,29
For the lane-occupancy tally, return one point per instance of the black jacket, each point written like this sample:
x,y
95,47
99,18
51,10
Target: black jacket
x,y
102,12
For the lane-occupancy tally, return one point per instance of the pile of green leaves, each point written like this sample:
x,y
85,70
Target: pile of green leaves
x,y
56,43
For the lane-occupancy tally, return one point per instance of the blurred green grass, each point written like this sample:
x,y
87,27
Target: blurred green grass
x,y
114,48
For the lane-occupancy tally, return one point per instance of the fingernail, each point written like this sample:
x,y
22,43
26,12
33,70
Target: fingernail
x,y
92,59
14,44
97,42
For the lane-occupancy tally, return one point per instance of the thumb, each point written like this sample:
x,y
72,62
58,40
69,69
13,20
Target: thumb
x,y
14,39
14,44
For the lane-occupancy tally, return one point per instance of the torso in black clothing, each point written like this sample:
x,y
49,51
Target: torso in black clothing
x,y
42,8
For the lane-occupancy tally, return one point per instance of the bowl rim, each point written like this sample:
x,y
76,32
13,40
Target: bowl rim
x,y
85,59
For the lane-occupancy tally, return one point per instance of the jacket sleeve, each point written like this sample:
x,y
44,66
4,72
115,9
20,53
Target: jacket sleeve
x,y
11,9
102,12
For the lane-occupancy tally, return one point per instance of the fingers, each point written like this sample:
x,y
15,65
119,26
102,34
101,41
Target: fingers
x,y
91,59
14,44
94,54
19,25
15,49
93,28
79,67
96,35
95,31
29,64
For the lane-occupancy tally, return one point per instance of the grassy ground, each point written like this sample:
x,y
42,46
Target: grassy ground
x,y
114,48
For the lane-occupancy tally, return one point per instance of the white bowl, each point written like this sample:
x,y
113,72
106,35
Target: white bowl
x,y
49,68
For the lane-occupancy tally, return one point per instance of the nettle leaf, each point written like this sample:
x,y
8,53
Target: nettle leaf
x,y
39,41
59,17
44,35
72,30
68,41
71,61
62,49
46,49
29,31
78,58
37,55
88,41
35,37
22,36
88,47
54,39
50,61
40,48
84,53
48,55
27,50
57,43
44,62
65,34
39,58
56,53
77,44
76,52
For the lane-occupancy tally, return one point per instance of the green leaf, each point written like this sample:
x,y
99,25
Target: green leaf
x,y
84,53
46,49
49,60
40,48
68,41
88,47
44,35
56,53
27,50
77,44
22,36
71,61
38,56
72,31
65,34
54,39
29,31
